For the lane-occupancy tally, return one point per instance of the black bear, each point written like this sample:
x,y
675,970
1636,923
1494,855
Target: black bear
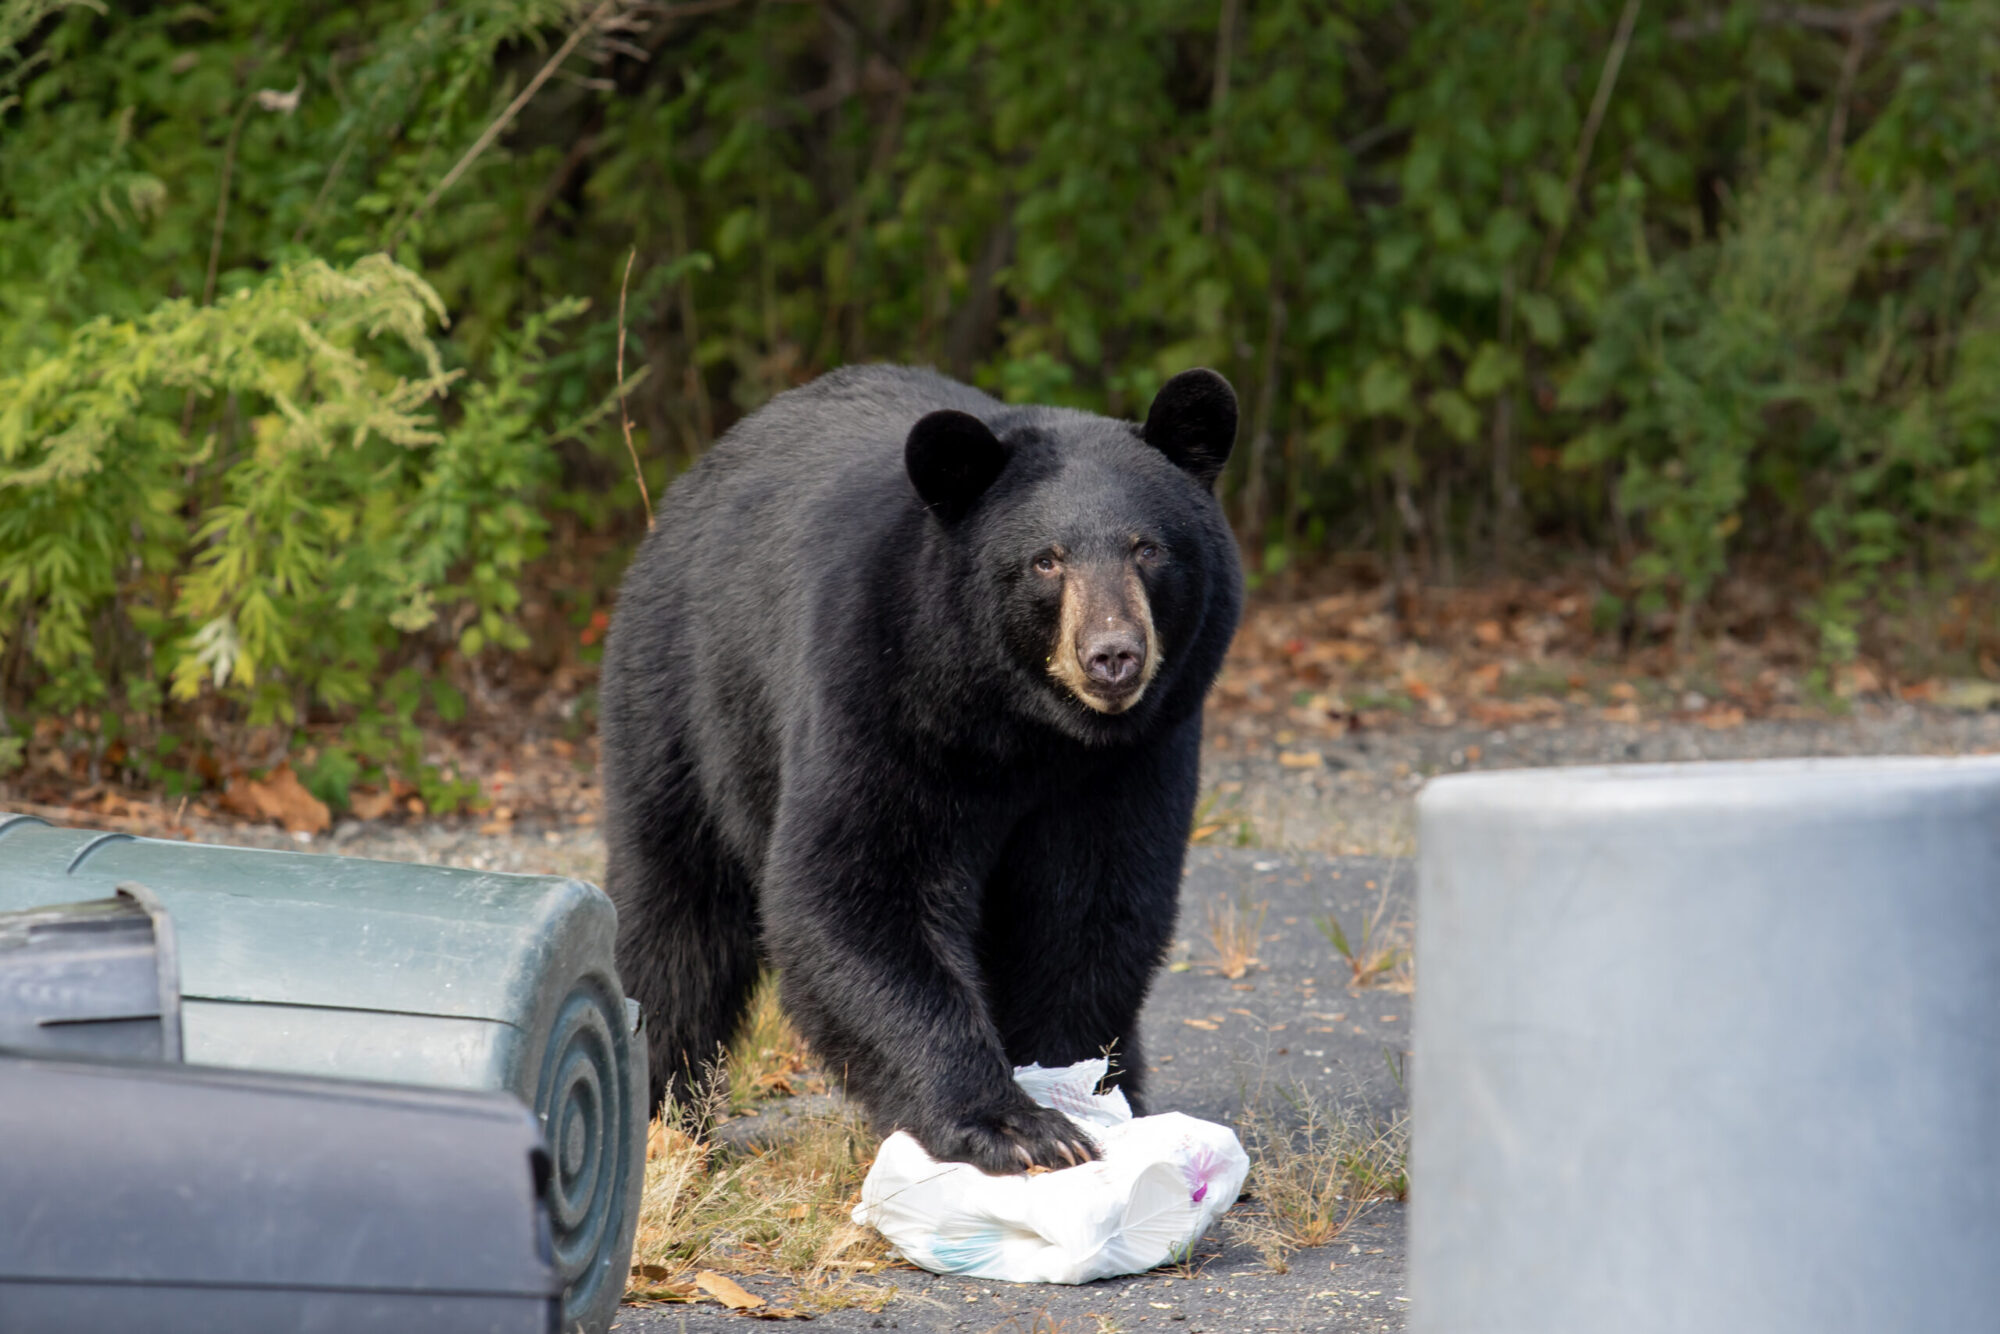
x,y
903,696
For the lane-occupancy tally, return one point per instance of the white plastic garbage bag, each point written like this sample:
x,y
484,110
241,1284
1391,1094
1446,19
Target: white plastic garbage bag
x,y
1160,1183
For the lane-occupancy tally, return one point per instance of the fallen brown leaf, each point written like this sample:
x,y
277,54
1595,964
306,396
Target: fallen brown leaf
x,y
278,796
237,800
662,1138
1202,1024
1856,678
727,1291
367,804
647,1291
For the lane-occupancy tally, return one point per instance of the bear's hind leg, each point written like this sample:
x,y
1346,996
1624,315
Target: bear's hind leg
x,y
687,944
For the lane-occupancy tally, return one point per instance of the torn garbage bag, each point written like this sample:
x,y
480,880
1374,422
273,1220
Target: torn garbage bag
x,y
1160,1183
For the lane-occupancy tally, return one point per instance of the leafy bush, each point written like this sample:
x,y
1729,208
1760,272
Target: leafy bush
x,y
1824,370
277,555
1686,283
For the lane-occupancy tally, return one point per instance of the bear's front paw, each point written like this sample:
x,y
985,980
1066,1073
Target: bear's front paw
x,y
1012,1140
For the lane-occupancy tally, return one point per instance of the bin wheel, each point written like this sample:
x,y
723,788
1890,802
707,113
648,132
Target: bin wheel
x,y
585,1103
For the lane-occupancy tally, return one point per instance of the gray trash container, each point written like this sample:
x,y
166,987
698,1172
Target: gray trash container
x,y
412,974
156,1198
1708,1047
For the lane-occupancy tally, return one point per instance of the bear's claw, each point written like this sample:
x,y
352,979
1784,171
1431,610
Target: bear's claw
x,y
1016,1140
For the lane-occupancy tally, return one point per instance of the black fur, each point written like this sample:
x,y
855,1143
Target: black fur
x,y
1193,422
831,742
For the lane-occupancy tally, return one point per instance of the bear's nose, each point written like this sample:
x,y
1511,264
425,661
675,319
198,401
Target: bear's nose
x,y
1113,659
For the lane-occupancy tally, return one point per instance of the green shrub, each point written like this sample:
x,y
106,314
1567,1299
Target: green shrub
x,y
318,511
1687,283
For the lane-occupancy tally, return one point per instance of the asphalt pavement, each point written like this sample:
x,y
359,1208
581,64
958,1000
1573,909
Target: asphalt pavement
x,y
1216,1045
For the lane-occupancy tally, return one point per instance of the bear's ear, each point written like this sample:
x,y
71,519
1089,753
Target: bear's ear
x,y
1193,422
952,457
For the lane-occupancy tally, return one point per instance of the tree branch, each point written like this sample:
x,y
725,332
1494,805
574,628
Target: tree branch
x,y
1836,126
1218,105
866,31
222,199
624,417
504,119
1607,79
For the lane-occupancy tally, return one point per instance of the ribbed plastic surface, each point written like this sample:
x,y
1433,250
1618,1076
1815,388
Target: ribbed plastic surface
x,y
413,974
171,1198
98,978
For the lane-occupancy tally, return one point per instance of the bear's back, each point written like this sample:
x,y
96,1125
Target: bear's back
x,y
780,522
843,431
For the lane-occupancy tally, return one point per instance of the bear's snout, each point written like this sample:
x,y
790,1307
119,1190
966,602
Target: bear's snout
x,y
1113,658
1106,650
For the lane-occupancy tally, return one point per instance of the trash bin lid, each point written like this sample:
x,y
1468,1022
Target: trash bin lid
x,y
303,929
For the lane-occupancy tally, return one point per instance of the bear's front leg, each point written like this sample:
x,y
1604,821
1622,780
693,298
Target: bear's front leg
x,y
870,905
1091,886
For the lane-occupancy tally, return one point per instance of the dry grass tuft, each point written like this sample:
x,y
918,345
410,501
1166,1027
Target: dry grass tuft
x,y
1313,1168
780,1210
768,1058
1234,926
1219,819
1377,956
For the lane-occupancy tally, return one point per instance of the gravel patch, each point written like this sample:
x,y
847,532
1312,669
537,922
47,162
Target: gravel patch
x,y
1358,797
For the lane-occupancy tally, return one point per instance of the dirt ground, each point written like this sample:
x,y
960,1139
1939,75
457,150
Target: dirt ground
x,y
1350,793
1358,797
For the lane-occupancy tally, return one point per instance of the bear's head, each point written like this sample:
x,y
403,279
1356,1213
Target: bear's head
x,y
1101,566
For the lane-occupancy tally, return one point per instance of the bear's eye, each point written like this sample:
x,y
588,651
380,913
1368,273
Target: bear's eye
x,y
1147,551
1046,564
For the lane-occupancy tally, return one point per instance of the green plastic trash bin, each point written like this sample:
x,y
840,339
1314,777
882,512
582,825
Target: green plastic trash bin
x,y
414,974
